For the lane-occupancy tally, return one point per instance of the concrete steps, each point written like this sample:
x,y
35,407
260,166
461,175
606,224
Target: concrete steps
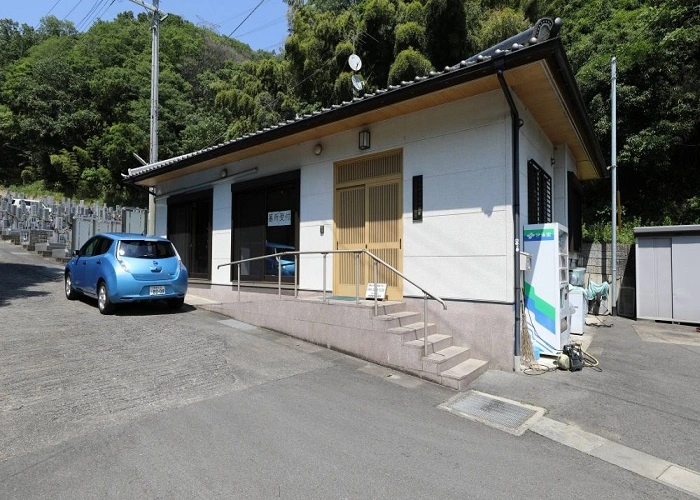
x,y
393,338
460,376
437,359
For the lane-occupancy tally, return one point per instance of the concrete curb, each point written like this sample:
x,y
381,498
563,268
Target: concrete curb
x,y
195,300
645,465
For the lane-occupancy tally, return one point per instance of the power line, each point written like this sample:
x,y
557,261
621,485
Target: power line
x,y
262,26
99,16
246,17
71,11
52,8
96,6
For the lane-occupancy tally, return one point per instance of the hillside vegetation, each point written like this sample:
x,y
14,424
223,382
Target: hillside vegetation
x,y
74,107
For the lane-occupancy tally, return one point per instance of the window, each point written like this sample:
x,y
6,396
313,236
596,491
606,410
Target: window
x,y
190,222
265,221
539,194
142,249
97,245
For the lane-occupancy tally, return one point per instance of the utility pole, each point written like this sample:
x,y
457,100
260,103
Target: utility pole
x,y
153,156
613,167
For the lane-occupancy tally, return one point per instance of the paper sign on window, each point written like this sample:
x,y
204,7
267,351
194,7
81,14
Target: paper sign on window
x,y
281,218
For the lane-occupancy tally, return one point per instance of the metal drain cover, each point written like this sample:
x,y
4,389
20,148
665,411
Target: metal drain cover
x,y
501,413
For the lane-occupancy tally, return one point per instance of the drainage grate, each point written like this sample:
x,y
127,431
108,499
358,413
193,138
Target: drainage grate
x,y
503,414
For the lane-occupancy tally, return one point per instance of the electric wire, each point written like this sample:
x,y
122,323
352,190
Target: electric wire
x,y
52,8
246,17
71,11
84,21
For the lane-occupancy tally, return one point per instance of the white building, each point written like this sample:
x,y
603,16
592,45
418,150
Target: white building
x,y
453,166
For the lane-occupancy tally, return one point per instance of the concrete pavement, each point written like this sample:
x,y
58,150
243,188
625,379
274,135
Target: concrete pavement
x,y
639,410
151,404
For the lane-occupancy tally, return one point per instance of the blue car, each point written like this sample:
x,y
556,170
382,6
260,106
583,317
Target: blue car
x,y
286,262
119,268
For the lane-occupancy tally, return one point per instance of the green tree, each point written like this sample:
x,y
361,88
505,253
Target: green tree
x,y
409,64
446,32
500,25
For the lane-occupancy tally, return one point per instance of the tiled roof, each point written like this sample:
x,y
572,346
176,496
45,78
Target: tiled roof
x,y
543,29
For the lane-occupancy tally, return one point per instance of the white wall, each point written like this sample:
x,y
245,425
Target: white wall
x,y
221,232
460,249
555,160
564,163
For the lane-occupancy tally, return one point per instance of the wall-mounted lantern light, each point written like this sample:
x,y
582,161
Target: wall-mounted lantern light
x,y
317,149
223,173
364,139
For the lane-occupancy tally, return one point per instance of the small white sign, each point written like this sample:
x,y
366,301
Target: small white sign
x,y
376,290
282,218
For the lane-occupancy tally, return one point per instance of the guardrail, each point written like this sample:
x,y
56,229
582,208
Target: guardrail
x,y
376,261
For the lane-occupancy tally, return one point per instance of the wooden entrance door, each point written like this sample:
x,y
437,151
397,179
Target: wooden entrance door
x,y
368,215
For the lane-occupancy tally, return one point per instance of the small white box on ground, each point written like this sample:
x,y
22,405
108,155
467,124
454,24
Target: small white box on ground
x,y
578,303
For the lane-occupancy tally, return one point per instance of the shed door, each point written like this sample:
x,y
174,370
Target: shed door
x,y
368,215
654,282
686,276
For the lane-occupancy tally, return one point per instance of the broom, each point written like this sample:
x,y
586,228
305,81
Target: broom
x,y
527,353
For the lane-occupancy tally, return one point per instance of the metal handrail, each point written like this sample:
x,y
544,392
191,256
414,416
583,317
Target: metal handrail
x,y
325,253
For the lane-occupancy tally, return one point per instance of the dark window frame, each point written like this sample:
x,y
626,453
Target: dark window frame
x,y
260,184
191,254
539,194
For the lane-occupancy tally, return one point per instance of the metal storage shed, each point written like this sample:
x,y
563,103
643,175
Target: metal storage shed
x,y
668,273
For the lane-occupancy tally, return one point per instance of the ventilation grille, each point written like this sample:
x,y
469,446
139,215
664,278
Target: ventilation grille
x,y
368,168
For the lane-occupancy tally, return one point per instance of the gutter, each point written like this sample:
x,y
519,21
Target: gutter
x,y
516,123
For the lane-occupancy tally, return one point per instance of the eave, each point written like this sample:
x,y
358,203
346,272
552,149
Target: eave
x,y
539,75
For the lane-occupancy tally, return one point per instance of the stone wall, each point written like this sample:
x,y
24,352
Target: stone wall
x,y
597,259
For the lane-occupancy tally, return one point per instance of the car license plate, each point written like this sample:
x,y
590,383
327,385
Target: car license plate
x,y
157,290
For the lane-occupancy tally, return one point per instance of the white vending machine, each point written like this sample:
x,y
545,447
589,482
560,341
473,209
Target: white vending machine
x,y
546,286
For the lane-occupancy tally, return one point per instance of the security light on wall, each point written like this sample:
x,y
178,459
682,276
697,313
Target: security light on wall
x,y
223,173
364,139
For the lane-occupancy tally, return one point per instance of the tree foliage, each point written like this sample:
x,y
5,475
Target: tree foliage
x,y
75,107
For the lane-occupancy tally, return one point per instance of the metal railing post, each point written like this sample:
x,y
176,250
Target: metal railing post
x,y
324,277
376,307
425,323
357,253
357,278
279,277
296,276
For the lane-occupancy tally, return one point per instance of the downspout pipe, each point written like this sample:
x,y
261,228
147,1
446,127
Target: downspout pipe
x,y
516,123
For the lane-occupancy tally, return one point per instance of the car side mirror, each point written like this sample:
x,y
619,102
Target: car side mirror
x,y
76,253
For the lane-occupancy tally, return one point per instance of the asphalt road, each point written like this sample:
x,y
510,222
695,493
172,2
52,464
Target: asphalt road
x,y
153,404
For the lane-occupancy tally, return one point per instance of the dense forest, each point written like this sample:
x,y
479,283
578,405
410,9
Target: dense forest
x,y
74,106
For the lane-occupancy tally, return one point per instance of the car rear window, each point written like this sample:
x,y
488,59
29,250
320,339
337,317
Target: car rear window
x,y
140,249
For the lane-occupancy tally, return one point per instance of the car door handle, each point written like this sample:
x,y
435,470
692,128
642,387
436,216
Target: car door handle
x,y
98,262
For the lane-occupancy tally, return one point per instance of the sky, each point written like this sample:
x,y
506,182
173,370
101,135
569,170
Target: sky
x,y
265,29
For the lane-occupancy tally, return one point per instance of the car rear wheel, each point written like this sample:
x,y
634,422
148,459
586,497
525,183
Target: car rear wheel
x,y
176,304
103,302
71,293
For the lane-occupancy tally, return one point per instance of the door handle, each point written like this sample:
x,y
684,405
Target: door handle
x,y
99,262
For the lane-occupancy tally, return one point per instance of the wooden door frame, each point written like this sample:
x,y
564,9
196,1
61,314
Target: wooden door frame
x,y
396,292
